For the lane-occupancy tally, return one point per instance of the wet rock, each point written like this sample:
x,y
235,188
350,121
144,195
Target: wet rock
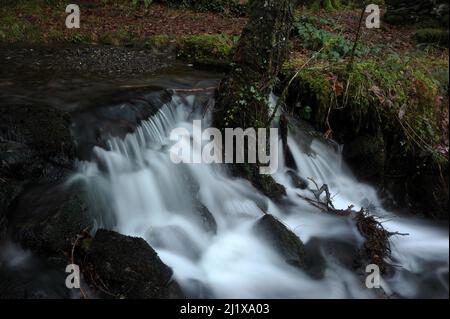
x,y
283,241
207,220
35,142
47,221
128,267
297,181
114,115
201,213
320,251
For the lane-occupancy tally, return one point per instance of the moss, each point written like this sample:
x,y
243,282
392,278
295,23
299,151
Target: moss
x,y
207,50
208,47
432,35
13,29
378,91
157,41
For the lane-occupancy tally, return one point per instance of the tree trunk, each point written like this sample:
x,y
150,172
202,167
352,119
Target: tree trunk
x,y
244,95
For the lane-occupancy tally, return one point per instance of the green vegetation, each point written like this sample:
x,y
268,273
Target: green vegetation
x,y
14,29
380,92
212,48
432,36
331,44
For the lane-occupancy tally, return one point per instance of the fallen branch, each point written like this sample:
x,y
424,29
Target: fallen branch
x,y
319,191
212,88
377,247
327,209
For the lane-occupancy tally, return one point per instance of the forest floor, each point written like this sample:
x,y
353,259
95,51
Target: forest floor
x,y
121,23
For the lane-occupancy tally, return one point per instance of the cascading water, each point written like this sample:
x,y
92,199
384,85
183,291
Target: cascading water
x,y
142,193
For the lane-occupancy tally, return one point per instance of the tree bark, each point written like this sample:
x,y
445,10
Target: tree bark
x,y
244,94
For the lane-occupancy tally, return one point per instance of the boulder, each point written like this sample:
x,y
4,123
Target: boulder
x,y
127,267
205,217
282,240
320,251
297,181
35,142
47,221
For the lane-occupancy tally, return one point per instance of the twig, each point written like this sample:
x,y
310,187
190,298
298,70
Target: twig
x,y
397,234
319,191
358,34
82,235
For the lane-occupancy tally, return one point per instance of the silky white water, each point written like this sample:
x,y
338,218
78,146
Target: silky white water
x,y
142,193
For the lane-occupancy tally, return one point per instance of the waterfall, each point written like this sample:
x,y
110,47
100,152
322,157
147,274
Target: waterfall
x,y
141,192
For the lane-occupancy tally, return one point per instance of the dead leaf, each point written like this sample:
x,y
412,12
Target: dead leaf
x,y
378,93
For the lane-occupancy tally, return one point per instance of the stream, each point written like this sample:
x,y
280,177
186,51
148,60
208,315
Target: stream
x,y
137,190
201,220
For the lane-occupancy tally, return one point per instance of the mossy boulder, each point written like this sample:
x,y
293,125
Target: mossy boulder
x,y
207,49
203,50
128,268
281,239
